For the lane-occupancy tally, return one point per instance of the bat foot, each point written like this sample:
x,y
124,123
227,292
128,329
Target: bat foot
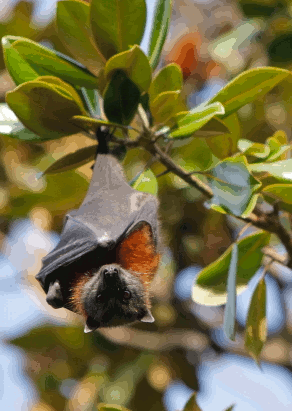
x,y
54,295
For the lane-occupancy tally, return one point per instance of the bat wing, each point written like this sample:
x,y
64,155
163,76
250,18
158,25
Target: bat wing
x,y
109,211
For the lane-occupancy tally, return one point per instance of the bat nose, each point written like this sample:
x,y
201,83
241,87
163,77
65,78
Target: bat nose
x,y
110,271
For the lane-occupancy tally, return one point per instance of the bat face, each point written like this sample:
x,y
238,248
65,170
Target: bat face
x,y
117,293
113,297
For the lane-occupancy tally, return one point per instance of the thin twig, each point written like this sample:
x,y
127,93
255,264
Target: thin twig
x,y
176,169
242,231
143,117
278,258
163,173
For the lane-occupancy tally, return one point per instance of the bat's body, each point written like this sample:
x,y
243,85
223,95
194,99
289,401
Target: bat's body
x,y
107,255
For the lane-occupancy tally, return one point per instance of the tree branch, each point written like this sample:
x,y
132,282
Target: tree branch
x,y
265,221
177,170
268,222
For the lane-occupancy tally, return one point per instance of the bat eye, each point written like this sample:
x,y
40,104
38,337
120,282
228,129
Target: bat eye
x,y
127,295
99,298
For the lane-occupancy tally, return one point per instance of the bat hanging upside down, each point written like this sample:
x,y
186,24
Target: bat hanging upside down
x,y
107,256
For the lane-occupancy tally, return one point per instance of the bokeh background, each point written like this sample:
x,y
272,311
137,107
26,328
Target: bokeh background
x,y
46,362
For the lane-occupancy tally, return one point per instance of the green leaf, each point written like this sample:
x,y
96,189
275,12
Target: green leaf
x,y
109,407
164,106
91,101
116,25
226,145
121,99
214,127
72,160
146,182
169,78
230,408
278,146
233,186
46,109
256,324
248,86
192,405
159,30
134,63
210,286
230,309
253,149
193,121
281,193
19,70
279,169
63,88
42,61
89,123
73,25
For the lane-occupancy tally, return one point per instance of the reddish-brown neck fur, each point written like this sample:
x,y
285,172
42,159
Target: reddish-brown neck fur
x,y
76,293
136,253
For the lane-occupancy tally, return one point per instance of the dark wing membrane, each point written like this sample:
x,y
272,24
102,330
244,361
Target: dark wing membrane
x,y
76,240
109,211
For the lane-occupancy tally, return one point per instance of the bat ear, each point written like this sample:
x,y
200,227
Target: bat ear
x,y
148,317
54,295
90,325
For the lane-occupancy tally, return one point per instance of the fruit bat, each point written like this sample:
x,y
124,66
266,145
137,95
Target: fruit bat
x,y
108,252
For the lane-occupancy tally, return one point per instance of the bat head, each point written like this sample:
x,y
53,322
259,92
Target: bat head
x,y
113,297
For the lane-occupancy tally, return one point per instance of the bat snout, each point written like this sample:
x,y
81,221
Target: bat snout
x,y
110,271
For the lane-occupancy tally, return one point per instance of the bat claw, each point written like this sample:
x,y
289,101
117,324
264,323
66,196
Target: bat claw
x,y
148,318
87,329
90,325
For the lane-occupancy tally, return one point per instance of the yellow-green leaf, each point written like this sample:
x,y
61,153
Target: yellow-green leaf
x,y
164,106
45,109
230,309
159,30
210,286
111,407
281,170
281,193
192,405
256,324
72,160
147,183
134,63
226,145
44,62
278,145
193,121
248,86
73,25
116,24
253,149
169,78
89,123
